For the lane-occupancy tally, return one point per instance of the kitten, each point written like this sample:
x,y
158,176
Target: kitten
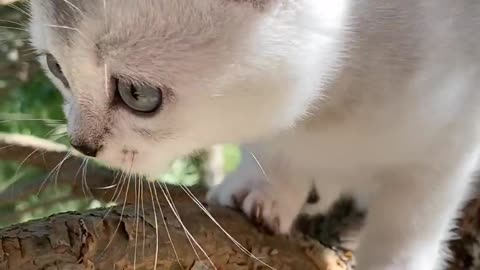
x,y
375,98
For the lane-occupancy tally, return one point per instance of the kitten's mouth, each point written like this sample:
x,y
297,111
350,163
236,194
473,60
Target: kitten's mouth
x,y
133,161
128,158
125,160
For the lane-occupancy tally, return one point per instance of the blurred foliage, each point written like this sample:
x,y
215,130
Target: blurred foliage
x,y
24,91
231,157
30,104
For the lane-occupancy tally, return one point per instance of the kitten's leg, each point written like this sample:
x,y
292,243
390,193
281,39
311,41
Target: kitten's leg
x,y
336,185
328,193
214,166
410,217
265,189
331,186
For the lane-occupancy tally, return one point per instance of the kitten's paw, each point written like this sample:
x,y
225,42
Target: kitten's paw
x,y
228,193
274,208
270,210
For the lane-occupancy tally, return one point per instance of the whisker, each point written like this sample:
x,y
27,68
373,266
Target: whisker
x,y
124,203
5,147
14,28
122,181
143,215
205,210
49,121
105,12
24,116
50,132
74,7
15,39
189,236
9,121
55,137
14,22
164,224
30,52
116,195
80,168
28,49
121,214
137,218
84,178
7,42
170,202
260,166
58,137
81,177
24,160
156,229
14,178
72,29
106,187
107,81
67,155
12,5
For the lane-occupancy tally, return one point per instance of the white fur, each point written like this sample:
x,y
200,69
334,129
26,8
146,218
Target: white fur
x,y
366,97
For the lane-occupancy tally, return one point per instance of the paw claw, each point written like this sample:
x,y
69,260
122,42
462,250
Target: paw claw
x,y
276,225
239,198
259,214
236,201
261,205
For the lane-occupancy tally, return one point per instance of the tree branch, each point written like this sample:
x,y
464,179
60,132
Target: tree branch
x,y
129,241
80,240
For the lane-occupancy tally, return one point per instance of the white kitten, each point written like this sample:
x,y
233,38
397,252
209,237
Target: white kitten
x,y
376,98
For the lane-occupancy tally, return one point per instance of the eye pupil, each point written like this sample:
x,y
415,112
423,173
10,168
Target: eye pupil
x,y
134,92
56,69
139,98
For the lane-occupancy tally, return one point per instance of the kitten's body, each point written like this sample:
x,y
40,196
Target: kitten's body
x,y
366,97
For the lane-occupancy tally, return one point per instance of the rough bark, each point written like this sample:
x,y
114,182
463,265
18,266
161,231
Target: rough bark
x,y
126,237
94,240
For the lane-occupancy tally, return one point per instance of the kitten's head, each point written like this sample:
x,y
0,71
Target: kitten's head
x,y
146,81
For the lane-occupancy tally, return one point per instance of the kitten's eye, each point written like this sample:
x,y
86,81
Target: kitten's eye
x,y
56,69
140,98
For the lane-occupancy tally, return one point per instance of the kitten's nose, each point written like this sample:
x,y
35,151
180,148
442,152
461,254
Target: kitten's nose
x,y
86,149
